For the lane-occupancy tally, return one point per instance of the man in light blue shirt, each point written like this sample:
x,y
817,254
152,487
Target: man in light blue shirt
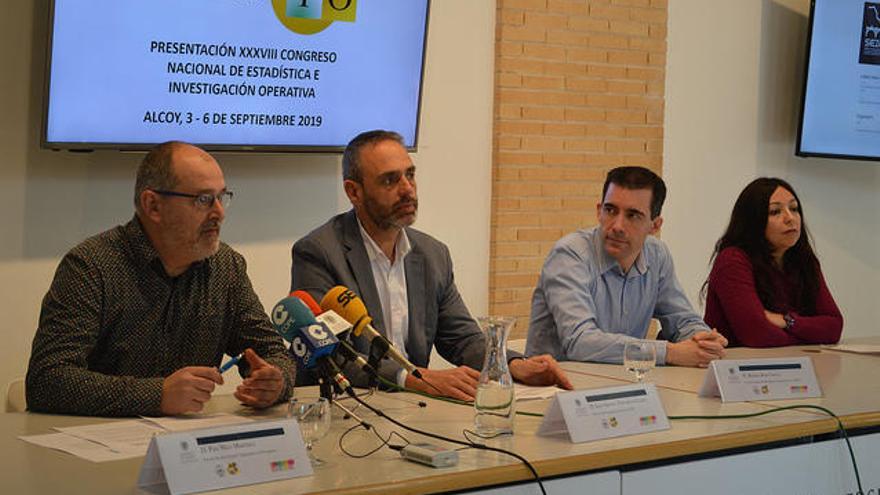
x,y
600,287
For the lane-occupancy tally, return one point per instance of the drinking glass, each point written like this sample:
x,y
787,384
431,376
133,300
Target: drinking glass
x,y
314,422
639,358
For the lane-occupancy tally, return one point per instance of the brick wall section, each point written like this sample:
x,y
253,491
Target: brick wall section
x,y
579,88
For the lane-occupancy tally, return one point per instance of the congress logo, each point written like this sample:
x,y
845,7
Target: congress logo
x,y
313,16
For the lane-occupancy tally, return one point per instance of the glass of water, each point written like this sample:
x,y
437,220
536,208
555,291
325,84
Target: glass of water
x,y
314,422
639,357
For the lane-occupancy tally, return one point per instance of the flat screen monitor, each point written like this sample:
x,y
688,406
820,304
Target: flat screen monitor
x,y
240,75
840,114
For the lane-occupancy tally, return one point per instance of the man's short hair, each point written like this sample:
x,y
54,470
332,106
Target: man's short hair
x,y
351,169
638,178
156,171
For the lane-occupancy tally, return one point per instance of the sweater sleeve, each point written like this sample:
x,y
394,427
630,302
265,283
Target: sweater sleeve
x,y
825,326
732,280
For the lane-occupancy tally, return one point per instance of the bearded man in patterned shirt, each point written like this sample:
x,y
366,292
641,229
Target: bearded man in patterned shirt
x,y
138,318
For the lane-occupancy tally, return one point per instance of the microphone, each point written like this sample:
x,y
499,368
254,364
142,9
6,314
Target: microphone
x,y
349,306
308,300
289,316
311,343
337,324
344,348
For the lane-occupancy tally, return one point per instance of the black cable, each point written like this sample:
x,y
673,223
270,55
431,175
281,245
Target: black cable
x,y
398,388
470,444
384,442
422,378
840,428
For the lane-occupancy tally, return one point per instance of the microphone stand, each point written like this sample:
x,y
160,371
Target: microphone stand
x,y
378,350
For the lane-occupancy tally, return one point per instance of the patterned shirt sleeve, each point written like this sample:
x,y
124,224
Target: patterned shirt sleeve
x,y
58,378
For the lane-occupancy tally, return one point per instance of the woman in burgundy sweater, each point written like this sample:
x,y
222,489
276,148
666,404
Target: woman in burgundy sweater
x,y
766,288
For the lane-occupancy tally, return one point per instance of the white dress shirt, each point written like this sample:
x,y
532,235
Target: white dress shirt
x,y
390,281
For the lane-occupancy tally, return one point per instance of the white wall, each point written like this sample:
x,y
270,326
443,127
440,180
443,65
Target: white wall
x,y
734,82
50,201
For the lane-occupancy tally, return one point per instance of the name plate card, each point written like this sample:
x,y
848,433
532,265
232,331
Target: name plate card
x,y
605,413
737,380
222,457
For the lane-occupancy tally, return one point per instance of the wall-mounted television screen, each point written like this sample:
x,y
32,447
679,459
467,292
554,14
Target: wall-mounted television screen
x,y
262,75
840,114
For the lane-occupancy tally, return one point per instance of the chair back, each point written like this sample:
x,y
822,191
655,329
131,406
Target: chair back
x,y
15,398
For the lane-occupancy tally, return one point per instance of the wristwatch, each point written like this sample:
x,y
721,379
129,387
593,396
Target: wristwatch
x,y
789,320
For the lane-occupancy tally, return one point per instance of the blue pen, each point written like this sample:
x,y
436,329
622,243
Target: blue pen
x,y
229,364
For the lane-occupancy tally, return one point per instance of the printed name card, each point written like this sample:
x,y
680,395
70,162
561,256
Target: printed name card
x,y
222,457
737,380
605,413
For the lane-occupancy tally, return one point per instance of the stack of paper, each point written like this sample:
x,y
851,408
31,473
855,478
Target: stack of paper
x,y
123,439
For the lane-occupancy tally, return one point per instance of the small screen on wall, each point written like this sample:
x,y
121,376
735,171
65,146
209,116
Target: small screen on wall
x,y
840,114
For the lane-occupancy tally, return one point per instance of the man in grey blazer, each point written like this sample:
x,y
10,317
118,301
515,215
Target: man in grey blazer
x,y
404,276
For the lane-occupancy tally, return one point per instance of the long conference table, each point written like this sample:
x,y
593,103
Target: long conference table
x,y
794,451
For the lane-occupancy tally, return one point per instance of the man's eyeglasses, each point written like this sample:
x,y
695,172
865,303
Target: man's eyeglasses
x,y
203,200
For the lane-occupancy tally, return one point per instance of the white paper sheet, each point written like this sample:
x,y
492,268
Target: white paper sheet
x,y
856,348
131,436
527,392
196,421
79,447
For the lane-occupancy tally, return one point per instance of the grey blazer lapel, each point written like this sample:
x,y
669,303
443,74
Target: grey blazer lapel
x,y
359,263
416,293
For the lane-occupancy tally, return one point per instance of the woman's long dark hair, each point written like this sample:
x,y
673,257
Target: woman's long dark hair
x,y
747,231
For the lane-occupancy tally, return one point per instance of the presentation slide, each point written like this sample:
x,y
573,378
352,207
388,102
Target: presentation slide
x,y
842,100
233,73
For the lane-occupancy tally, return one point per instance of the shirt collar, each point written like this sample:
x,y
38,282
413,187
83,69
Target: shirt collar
x,y
141,246
606,262
401,248
143,250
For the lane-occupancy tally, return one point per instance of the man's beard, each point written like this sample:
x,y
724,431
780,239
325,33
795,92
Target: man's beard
x,y
204,245
386,220
207,243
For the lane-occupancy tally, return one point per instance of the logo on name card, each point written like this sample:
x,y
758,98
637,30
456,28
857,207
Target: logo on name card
x,y
799,389
762,390
232,468
285,465
610,422
869,50
313,16
647,420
